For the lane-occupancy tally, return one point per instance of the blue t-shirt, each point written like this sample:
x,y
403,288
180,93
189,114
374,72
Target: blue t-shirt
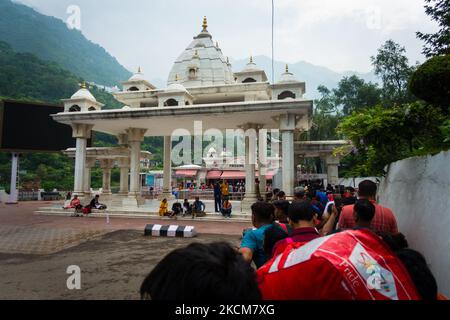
x,y
254,240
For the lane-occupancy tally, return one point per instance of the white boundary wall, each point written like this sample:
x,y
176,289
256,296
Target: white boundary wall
x,y
418,191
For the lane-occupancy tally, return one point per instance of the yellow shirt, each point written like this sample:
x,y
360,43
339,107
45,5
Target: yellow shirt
x,y
224,189
163,208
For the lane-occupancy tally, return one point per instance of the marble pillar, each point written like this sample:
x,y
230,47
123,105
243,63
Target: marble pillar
x,y
124,165
81,132
167,176
90,163
106,165
332,163
288,124
135,138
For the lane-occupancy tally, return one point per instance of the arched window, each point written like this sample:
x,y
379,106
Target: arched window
x,y
249,80
171,103
92,109
133,89
192,73
286,95
187,103
74,108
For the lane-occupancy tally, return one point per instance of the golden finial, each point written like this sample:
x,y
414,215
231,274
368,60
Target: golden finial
x,y
228,60
139,70
217,45
205,23
287,68
83,85
251,59
177,77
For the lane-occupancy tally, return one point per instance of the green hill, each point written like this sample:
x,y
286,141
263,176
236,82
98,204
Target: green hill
x,y
23,76
49,39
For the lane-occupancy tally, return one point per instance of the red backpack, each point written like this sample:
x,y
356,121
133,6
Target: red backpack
x,y
350,265
87,210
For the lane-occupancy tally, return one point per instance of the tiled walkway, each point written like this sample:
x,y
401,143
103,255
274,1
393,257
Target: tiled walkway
x,y
21,231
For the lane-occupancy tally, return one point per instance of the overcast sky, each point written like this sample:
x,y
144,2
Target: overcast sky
x,y
338,34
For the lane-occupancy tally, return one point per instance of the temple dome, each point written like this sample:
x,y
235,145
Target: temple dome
x,y
202,63
138,76
287,77
83,93
251,66
176,86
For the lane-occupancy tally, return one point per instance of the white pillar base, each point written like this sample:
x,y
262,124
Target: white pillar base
x,y
132,202
247,202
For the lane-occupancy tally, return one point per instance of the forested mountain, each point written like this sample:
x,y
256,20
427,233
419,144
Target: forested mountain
x,y
49,39
23,76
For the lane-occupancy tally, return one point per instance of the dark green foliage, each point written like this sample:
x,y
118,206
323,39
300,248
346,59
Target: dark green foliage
x,y
49,39
431,82
354,93
23,76
384,135
437,43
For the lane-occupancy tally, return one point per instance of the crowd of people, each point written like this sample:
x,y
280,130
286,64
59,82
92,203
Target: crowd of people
x,y
194,209
324,244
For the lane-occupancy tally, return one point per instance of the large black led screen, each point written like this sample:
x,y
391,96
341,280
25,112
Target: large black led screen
x,y
29,127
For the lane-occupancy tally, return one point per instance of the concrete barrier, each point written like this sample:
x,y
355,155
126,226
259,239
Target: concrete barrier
x,y
418,191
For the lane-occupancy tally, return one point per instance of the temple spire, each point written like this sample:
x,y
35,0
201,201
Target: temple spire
x,y
287,68
205,23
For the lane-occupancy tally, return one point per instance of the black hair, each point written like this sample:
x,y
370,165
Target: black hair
x,y
263,211
281,194
272,235
367,188
421,275
275,191
364,210
283,205
299,193
202,272
301,211
395,241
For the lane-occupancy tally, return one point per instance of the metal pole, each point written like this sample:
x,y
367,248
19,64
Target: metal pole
x,y
13,195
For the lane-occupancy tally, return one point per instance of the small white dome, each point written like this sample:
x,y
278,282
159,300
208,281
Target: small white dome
x,y
83,94
251,66
176,87
126,108
287,77
138,76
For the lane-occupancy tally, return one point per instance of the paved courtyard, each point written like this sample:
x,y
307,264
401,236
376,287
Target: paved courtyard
x,y
114,258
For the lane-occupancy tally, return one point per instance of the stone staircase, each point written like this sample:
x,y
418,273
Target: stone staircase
x,y
140,213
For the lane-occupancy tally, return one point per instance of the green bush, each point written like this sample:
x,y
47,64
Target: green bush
x,y
431,82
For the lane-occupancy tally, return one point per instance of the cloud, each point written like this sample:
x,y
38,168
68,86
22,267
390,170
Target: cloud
x,y
339,34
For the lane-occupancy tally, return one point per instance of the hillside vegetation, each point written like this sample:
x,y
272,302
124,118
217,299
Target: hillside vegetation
x,y
49,39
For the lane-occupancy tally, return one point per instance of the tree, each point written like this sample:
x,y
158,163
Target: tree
x,y
384,135
431,82
353,94
392,66
437,43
